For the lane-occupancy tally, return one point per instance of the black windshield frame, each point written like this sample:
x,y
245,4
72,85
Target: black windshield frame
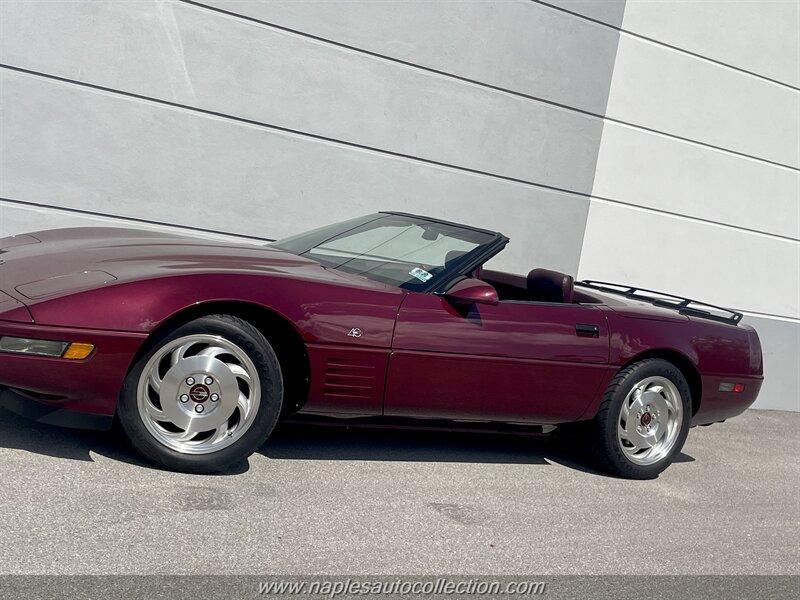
x,y
302,244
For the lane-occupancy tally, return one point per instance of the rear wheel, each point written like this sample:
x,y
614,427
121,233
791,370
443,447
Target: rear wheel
x,y
643,421
203,397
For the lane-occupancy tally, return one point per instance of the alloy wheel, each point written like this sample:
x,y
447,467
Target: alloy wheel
x,y
198,394
650,420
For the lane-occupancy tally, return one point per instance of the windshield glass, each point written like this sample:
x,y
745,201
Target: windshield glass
x,y
409,252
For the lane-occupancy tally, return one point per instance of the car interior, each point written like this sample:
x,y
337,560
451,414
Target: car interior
x,y
540,285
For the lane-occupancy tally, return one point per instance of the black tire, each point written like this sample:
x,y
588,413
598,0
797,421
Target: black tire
x,y
260,352
602,432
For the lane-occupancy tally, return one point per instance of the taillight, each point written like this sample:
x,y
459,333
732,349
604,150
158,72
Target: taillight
x,y
727,386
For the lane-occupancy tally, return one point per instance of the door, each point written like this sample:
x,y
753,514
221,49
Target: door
x,y
515,361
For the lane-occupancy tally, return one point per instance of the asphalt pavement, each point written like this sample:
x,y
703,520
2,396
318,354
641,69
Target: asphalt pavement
x,y
339,501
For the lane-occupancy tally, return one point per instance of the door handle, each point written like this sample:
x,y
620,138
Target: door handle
x,y
584,330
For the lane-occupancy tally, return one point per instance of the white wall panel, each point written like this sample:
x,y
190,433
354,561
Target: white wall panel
x,y
515,44
201,58
16,219
91,150
780,341
644,169
760,36
706,262
678,94
607,11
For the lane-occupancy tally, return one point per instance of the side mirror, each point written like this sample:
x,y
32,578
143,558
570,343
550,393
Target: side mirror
x,y
472,291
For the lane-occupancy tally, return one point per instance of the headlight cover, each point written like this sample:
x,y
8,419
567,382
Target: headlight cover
x,y
52,348
30,346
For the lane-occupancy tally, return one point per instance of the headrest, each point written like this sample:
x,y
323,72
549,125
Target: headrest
x,y
549,286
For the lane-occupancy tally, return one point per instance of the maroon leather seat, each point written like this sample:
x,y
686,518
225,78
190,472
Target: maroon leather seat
x,y
550,286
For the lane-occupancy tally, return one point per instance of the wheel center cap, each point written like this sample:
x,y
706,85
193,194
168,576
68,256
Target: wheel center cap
x,y
199,393
646,418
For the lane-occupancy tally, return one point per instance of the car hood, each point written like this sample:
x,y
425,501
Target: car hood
x,y
57,262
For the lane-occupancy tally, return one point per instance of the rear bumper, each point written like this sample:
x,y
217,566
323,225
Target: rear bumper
x,y
89,386
717,406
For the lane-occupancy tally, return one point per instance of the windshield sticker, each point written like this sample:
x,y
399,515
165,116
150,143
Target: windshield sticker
x,y
420,274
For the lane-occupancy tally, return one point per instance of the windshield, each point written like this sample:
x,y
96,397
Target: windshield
x,y
406,251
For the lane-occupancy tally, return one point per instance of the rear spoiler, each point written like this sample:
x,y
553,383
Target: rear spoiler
x,y
685,306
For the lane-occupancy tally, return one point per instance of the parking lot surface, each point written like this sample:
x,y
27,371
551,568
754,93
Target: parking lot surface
x,y
342,501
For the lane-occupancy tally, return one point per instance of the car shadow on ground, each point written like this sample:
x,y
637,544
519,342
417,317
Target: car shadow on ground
x,y
313,442
19,433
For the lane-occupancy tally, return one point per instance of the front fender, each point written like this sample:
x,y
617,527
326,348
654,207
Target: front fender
x,y
321,311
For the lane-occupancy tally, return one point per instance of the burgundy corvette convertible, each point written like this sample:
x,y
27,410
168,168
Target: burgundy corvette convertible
x,y
198,348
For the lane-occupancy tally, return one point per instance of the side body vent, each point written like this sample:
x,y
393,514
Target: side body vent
x,y
347,380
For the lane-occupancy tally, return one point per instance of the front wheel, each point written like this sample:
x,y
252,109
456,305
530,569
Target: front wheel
x,y
204,396
643,421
